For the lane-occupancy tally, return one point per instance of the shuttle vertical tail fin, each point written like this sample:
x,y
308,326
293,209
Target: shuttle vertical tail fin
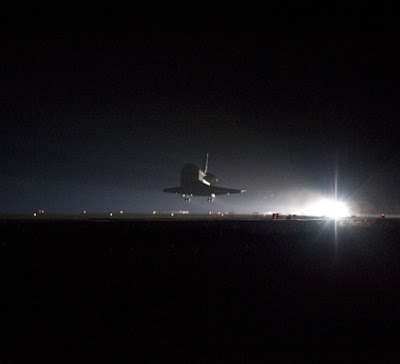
x,y
205,164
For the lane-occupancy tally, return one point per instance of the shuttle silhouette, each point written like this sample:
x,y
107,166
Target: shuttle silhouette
x,y
199,182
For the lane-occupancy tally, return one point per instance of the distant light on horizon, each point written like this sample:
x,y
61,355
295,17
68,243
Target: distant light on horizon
x,y
329,208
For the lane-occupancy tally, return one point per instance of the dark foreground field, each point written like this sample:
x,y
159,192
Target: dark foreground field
x,y
206,291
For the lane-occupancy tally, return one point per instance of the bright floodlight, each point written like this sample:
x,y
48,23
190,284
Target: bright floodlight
x,y
329,208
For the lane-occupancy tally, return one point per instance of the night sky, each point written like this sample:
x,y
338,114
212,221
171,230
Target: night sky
x,y
101,109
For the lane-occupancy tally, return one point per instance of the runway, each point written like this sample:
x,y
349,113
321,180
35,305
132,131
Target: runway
x,y
157,285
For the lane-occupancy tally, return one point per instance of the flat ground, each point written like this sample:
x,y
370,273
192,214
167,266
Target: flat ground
x,y
189,289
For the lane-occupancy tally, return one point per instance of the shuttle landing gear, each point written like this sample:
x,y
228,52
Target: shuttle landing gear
x,y
211,198
186,198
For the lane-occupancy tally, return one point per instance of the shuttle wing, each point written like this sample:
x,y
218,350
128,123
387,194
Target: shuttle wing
x,y
201,189
223,190
178,189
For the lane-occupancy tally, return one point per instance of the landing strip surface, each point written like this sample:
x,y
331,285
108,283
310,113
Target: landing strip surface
x,y
176,284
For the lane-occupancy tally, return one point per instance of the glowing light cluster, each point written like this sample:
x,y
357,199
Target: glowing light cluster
x,y
329,208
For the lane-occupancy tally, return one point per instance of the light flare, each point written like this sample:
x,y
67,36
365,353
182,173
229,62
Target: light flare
x,y
328,208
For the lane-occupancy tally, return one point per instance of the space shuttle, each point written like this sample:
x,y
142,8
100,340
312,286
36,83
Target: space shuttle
x,y
199,182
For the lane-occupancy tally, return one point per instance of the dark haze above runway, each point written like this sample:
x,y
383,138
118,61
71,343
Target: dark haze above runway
x,y
101,107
